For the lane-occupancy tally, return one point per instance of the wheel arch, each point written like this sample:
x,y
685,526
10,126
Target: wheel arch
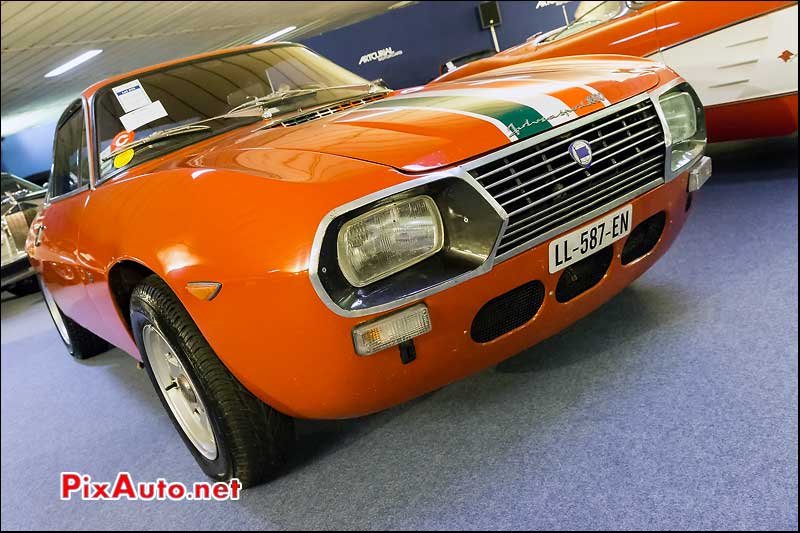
x,y
123,277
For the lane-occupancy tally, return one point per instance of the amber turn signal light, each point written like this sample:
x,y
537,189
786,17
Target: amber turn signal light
x,y
204,290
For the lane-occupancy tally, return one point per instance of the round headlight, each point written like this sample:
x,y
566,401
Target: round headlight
x,y
683,113
388,239
681,118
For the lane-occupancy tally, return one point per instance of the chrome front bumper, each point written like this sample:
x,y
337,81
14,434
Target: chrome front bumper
x,y
699,174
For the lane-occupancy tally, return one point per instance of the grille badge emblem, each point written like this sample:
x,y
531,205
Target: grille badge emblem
x,y
581,152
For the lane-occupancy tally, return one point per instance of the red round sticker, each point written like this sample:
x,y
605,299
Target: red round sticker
x,y
121,139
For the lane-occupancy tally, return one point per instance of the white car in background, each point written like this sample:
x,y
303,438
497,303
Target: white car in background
x,y
21,201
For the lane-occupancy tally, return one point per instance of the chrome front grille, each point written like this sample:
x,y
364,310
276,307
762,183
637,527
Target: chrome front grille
x,y
545,192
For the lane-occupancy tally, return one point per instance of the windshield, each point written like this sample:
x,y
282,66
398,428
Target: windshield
x,y
208,88
587,15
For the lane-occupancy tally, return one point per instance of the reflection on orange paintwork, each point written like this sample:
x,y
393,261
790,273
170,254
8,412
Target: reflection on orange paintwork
x,y
197,173
176,257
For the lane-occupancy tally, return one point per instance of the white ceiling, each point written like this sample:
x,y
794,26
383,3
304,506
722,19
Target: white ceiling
x,y
39,36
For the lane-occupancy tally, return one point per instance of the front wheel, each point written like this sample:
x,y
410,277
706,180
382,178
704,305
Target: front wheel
x,y
230,432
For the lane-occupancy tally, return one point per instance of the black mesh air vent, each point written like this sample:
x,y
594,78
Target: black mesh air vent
x,y
507,312
584,274
643,237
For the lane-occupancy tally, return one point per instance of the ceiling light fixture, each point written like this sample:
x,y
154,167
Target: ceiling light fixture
x,y
69,65
398,5
273,36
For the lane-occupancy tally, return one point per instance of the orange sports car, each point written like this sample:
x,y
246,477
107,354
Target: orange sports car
x,y
276,237
741,57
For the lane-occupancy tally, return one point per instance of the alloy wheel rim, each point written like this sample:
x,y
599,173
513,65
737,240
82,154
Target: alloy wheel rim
x,y
180,392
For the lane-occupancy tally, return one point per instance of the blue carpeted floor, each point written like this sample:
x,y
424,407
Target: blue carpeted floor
x,y
673,406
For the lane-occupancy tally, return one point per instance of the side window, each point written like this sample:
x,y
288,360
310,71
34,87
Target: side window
x,y
70,162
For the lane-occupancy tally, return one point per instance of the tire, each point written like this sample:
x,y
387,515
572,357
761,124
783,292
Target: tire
x,y
251,439
25,287
18,226
80,342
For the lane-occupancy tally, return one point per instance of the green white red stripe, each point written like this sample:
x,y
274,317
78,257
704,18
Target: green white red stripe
x,y
517,110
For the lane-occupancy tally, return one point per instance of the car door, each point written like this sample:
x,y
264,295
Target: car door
x,y
57,229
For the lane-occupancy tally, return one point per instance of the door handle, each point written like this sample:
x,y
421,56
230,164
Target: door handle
x,y
39,230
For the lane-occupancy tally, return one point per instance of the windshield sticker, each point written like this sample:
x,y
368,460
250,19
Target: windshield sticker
x,y
123,159
121,139
131,96
143,115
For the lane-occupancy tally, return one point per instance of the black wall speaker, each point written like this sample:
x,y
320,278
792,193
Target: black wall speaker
x,y
490,14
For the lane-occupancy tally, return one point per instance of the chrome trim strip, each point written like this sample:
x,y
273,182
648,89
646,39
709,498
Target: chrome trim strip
x,y
316,247
727,84
749,41
89,151
739,64
70,194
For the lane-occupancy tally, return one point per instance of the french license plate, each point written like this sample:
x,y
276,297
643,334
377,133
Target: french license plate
x,y
585,241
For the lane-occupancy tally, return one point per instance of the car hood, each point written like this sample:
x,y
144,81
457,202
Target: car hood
x,y
440,124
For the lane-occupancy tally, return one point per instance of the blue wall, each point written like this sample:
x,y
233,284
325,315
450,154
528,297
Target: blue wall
x,y
29,151
428,33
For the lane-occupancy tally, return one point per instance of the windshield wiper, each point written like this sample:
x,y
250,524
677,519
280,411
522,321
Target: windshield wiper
x,y
264,100
163,134
181,130
291,93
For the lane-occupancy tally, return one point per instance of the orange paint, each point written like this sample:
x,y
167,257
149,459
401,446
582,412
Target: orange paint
x,y
242,209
